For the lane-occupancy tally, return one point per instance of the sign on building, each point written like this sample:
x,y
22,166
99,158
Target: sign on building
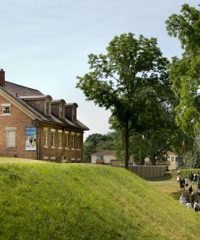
x,y
30,139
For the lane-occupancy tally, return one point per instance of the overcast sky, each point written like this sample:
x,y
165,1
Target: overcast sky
x,y
44,44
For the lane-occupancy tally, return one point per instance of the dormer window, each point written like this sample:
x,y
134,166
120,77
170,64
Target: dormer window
x,y
60,111
5,109
70,111
73,114
58,108
48,108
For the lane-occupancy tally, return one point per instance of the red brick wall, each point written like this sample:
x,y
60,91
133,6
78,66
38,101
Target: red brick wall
x,y
20,121
71,154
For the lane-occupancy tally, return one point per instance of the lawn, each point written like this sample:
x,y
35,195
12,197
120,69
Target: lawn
x,y
169,185
82,201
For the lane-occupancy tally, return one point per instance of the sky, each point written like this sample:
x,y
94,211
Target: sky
x,y
44,44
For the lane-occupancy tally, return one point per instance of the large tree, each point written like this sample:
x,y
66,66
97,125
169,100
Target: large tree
x,y
130,75
185,72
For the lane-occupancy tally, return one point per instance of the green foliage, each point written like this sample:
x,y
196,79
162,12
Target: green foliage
x,y
185,72
129,78
186,80
156,139
76,201
186,27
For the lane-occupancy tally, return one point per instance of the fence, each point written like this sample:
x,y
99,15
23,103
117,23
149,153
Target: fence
x,y
149,171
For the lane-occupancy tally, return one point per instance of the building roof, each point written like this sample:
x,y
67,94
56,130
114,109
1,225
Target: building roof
x,y
22,94
19,90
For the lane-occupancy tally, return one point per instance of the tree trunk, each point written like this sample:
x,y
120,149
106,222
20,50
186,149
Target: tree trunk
x,y
126,144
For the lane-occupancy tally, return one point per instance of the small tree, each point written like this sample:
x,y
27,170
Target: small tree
x,y
118,80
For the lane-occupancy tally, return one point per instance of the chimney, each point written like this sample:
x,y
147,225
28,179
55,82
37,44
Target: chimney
x,y
2,78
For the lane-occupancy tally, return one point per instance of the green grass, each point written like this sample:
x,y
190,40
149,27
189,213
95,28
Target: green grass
x,y
80,201
168,184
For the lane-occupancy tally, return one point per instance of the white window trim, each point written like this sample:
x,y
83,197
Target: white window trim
x,y
54,141
78,137
46,131
10,128
60,139
5,105
67,137
72,145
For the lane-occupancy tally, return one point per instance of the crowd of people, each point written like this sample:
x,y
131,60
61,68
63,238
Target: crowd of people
x,y
190,196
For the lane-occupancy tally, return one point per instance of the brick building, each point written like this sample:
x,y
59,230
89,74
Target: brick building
x,y
33,125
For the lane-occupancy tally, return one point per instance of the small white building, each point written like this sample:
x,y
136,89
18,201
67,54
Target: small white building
x,y
171,160
104,157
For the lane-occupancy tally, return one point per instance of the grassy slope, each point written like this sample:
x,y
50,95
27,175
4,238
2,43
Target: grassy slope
x,y
63,201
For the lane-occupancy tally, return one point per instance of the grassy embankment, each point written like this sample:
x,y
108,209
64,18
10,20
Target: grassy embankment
x,y
66,201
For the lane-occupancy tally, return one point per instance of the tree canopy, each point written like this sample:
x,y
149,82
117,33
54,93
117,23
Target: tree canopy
x,y
130,77
185,72
186,27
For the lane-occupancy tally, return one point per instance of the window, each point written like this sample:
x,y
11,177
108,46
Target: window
x,y
5,109
72,140
46,137
100,158
10,137
60,138
53,137
172,159
78,141
66,140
